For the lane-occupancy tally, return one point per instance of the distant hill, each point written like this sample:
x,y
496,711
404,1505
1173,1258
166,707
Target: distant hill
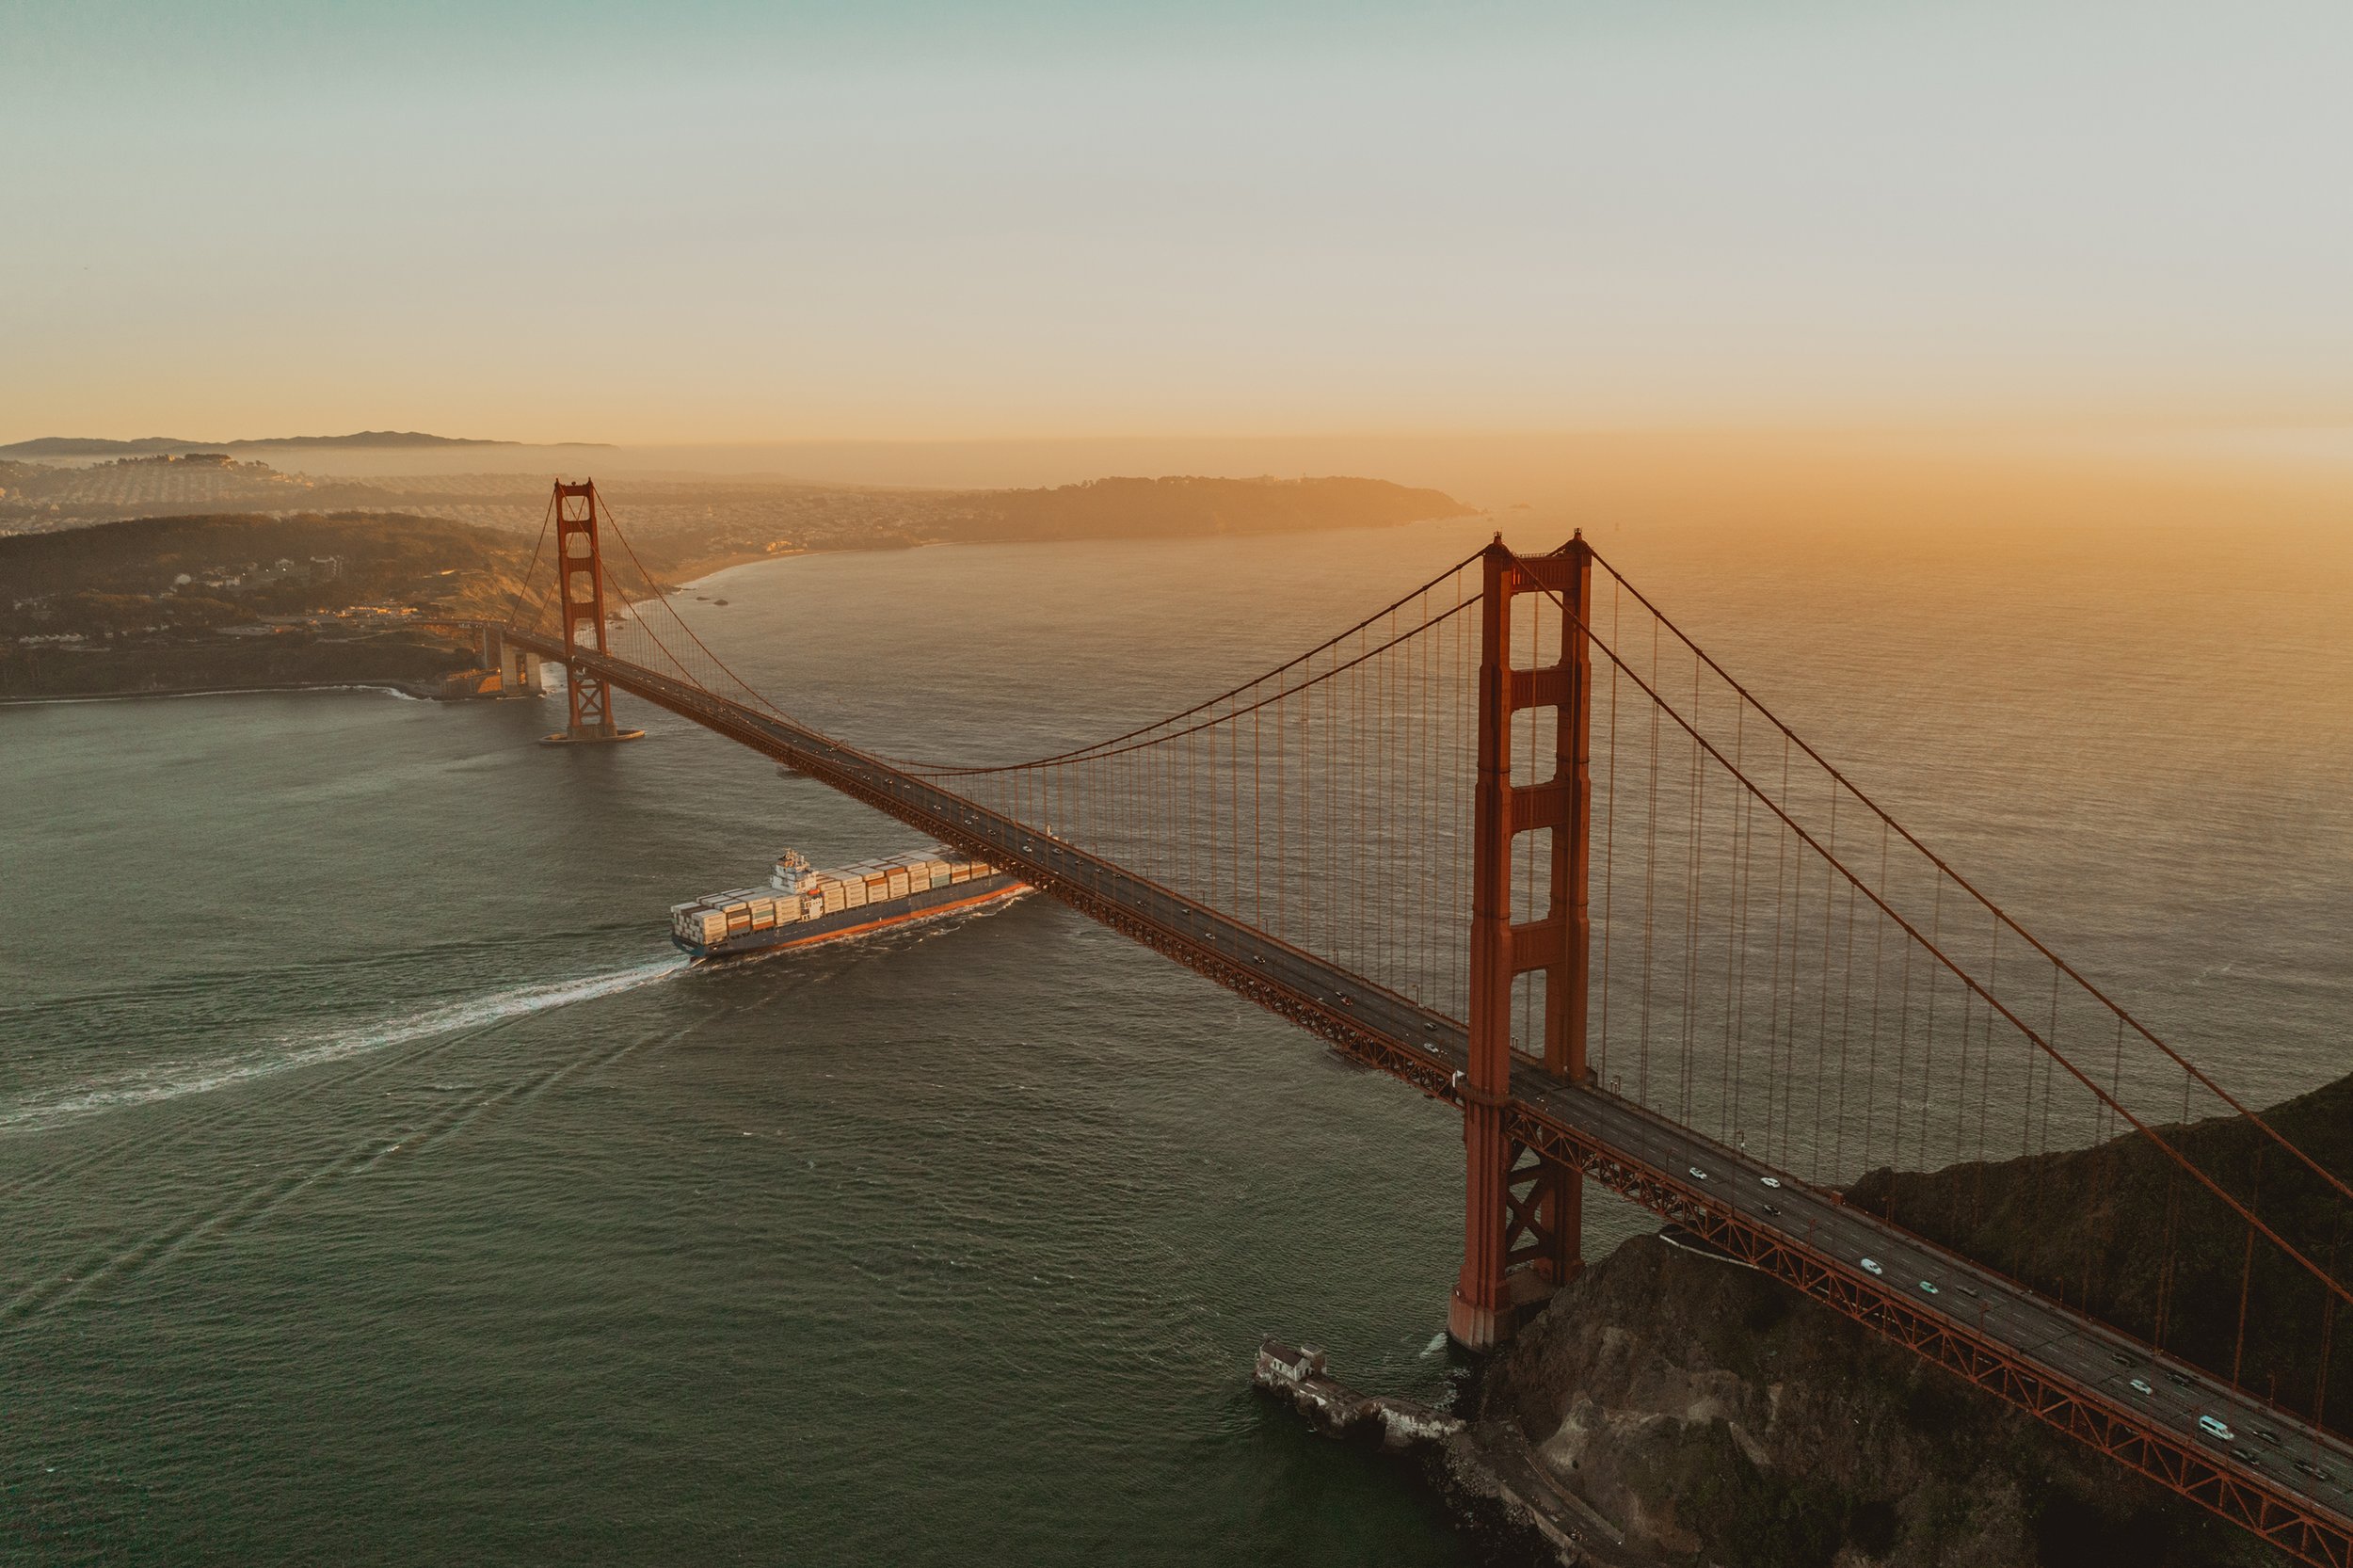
x,y
94,446
702,522
1182,506
374,438
148,446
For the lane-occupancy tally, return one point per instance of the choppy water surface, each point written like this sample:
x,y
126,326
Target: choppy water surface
x,y
375,1184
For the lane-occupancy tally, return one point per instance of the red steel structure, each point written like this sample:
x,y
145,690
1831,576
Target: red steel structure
x,y
580,580
1205,836
1523,1211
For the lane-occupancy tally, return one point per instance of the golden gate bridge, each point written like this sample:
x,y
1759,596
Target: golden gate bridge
x,y
1517,840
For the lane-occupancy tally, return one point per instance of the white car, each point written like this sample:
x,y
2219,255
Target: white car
x,y
1774,1182
1871,1266
2141,1388
2214,1428
1699,1174
1928,1286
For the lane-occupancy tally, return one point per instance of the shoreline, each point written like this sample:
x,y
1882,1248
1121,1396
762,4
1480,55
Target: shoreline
x,y
272,689
713,567
703,569
714,564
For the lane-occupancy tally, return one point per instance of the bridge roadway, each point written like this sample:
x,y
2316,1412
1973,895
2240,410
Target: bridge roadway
x,y
2275,1474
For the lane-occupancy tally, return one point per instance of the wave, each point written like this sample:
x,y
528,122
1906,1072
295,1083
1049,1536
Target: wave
x,y
177,1079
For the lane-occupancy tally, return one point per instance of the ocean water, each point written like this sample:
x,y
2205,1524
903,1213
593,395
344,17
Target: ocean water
x,y
376,1185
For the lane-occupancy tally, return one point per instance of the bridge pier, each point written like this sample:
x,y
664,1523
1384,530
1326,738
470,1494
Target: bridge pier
x,y
520,672
518,668
1523,1213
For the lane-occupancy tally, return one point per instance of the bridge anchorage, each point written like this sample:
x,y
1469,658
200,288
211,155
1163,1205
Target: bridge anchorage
x,y
1518,841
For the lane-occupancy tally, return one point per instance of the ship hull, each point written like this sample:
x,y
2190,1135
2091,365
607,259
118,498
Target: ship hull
x,y
928,905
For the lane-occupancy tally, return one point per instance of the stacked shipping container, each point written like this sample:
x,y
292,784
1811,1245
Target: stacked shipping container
x,y
797,894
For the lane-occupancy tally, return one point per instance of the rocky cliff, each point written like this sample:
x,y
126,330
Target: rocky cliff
x,y
1709,1415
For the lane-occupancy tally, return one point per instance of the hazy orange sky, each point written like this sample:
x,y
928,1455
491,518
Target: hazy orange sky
x,y
893,220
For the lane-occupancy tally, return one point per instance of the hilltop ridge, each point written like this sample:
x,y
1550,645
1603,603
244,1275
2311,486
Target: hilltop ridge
x,y
143,446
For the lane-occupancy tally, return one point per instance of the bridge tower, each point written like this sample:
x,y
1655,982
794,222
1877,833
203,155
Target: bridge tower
x,y
579,589
1523,1213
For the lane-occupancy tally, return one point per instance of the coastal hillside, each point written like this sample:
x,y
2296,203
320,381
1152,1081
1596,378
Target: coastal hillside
x,y
1713,1415
206,600
160,604
1710,1412
2101,1245
332,561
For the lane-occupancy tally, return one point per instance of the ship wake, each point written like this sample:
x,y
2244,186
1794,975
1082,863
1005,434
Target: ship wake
x,y
150,1085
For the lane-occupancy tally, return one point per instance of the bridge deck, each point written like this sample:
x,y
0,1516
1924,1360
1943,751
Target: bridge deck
x,y
2041,1356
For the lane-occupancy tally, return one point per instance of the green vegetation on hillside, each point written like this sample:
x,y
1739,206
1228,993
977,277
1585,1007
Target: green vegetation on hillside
x,y
2123,1232
178,604
422,562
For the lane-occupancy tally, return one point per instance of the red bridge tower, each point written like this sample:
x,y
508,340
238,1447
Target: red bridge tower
x,y
1524,1214
579,589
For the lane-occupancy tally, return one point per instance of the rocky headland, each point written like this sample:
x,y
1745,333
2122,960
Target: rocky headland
x,y
1711,1415
1673,1406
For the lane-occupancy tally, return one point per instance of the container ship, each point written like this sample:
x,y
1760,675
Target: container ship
x,y
800,906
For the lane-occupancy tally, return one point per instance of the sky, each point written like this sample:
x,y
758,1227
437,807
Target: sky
x,y
891,221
